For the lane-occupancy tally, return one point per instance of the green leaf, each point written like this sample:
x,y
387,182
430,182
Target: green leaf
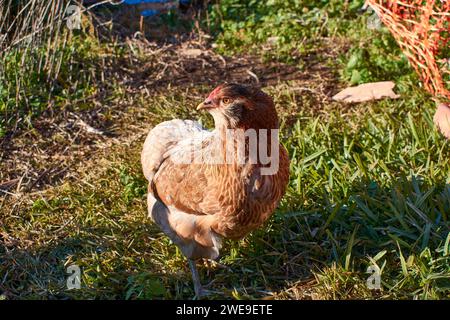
x,y
379,255
402,261
447,245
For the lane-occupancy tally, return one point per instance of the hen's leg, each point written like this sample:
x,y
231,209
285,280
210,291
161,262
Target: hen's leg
x,y
196,279
200,292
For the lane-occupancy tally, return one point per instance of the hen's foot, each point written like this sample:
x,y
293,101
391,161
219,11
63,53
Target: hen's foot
x,y
211,264
200,291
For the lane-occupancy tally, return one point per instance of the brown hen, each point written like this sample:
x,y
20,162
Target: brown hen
x,y
208,185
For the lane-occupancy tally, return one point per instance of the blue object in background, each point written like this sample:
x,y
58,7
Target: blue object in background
x,y
150,12
144,1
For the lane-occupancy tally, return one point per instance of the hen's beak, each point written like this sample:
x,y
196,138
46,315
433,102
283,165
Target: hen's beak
x,y
201,106
207,104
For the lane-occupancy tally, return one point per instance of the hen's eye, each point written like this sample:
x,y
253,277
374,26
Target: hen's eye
x,y
226,100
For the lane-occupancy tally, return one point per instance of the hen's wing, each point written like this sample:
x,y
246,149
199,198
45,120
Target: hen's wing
x,y
173,160
172,201
163,138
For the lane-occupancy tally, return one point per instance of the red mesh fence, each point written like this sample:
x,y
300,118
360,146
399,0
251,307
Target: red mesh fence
x,y
422,29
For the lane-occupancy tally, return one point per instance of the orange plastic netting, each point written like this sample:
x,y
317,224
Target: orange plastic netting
x,y
422,29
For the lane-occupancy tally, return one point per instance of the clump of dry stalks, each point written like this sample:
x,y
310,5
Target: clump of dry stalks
x,y
27,25
33,39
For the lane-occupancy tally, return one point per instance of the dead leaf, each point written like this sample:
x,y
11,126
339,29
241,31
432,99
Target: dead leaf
x,y
367,92
442,119
191,52
273,40
88,128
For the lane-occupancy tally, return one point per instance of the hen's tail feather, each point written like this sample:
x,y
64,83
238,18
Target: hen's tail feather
x,y
191,233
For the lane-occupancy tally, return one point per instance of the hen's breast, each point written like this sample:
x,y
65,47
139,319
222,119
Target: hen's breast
x,y
248,198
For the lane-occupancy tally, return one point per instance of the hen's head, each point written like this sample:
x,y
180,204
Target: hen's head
x,y
236,106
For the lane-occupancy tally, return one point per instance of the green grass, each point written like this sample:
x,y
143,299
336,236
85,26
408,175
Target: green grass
x,y
369,185
293,31
28,88
346,208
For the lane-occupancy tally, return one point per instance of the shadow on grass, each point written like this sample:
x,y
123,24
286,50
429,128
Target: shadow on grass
x,y
107,269
405,219
135,261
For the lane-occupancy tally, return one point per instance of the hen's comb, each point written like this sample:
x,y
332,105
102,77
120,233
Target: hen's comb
x,y
214,92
